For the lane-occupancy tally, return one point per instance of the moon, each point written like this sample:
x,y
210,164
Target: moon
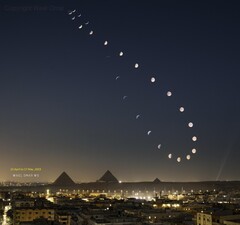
x,y
194,138
194,150
105,43
87,23
136,65
117,77
79,15
80,27
120,53
149,132
181,109
91,32
159,146
137,116
124,97
153,79
179,159
188,157
170,156
190,124
169,93
73,18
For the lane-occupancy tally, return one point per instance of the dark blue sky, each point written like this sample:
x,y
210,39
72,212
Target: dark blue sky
x,y
62,109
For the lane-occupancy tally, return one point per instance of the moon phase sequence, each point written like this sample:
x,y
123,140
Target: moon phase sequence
x,y
79,19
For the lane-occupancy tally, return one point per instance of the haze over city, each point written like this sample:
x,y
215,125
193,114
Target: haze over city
x,y
64,109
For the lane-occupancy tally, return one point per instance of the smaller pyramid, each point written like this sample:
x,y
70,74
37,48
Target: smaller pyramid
x,y
156,181
108,178
63,180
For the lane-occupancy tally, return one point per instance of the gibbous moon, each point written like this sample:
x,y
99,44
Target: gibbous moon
x,y
153,79
121,54
194,138
181,109
105,43
188,157
169,93
190,124
179,159
170,156
149,132
136,65
194,151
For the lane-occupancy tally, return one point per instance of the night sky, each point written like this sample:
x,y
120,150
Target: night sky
x,y
62,109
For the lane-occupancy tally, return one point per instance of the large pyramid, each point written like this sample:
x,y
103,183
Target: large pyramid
x,y
156,181
64,180
108,178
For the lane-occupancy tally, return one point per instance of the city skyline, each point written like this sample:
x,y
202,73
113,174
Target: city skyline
x,y
70,102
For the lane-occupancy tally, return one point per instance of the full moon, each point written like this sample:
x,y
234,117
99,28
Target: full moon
x,y
181,109
153,79
194,138
190,124
169,93
194,150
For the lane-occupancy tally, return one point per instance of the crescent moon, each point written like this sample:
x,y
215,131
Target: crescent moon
x,y
137,116
149,132
117,77
124,97
159,146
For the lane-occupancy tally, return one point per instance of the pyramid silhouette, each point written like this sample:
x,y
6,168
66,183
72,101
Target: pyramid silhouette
x,y
64,180
156,181
108,178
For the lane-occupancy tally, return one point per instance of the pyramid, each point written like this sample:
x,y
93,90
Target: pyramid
x,y
156,181
108,178
64,180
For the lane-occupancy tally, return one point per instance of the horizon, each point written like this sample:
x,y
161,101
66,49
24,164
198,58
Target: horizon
x,y
121,181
